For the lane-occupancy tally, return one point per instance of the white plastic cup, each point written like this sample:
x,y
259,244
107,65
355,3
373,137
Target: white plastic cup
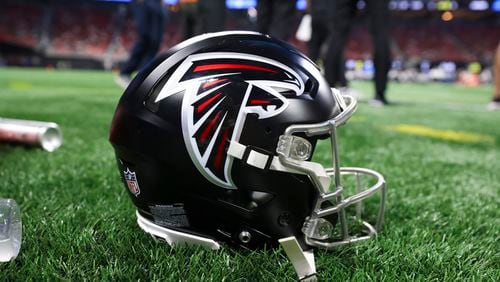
x,y
10,230
35,133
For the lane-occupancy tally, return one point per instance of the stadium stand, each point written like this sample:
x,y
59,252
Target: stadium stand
x,y
359,45
107,32
429,42
126,37
482,40
21,24
81,30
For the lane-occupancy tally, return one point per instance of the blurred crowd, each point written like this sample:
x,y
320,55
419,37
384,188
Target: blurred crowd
x,y
421,48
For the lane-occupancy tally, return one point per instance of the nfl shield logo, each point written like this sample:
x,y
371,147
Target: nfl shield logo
x,y
132,184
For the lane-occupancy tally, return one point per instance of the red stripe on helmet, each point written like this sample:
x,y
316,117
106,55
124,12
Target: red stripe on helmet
x,y
206,131
231,66
205,104
220,149
259,102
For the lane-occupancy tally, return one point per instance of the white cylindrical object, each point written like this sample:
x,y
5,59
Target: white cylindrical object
x,y
35,133
10,230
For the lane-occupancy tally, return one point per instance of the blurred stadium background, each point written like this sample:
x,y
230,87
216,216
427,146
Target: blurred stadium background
x,y
438,148
439,40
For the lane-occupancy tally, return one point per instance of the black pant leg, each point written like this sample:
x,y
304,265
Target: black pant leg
x,y
318,37
190,20
341,25
379,26
188,26
141,45
155,28
213,15
283,19
264,15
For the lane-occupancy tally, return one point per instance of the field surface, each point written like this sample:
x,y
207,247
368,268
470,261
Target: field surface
x,y
437,147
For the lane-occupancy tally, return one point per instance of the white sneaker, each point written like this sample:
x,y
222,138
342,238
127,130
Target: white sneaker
x,y
122,80
378,102
351,92
493,106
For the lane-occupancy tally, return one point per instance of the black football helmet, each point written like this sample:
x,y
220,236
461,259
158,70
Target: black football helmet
x,y
214,142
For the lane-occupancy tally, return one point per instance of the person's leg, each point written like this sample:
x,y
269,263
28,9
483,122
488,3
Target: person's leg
x,y
495,100
155,36
334,59
213,15
264,15
283,19
496,73
137,53
318,37
189,14
379,26
135,58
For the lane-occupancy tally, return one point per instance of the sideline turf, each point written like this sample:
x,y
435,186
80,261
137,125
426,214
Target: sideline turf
x,y
442,219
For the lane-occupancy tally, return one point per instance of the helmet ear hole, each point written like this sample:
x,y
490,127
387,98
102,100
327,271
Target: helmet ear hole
x,y
308,86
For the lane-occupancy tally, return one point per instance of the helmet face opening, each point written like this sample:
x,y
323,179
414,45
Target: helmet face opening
x,y
215,143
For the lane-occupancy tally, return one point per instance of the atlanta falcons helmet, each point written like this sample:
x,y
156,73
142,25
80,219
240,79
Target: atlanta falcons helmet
x,y
215,140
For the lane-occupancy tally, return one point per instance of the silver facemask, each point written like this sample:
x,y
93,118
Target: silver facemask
x,y
293,153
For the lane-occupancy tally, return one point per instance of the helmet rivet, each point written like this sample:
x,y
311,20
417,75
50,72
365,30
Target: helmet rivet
x,y
245,236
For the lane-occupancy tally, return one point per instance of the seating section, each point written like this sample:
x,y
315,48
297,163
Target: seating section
x,y
126,38
482,40
21,24
430,42
359,45
82,30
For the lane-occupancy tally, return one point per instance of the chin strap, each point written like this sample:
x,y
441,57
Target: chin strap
x,y
302,261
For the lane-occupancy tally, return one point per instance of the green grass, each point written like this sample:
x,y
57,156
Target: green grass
x,y
442,218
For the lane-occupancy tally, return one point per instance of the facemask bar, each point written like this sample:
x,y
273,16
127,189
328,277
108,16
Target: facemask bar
x,y
316,228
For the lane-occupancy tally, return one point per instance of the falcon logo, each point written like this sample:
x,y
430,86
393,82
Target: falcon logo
x,y
220,90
